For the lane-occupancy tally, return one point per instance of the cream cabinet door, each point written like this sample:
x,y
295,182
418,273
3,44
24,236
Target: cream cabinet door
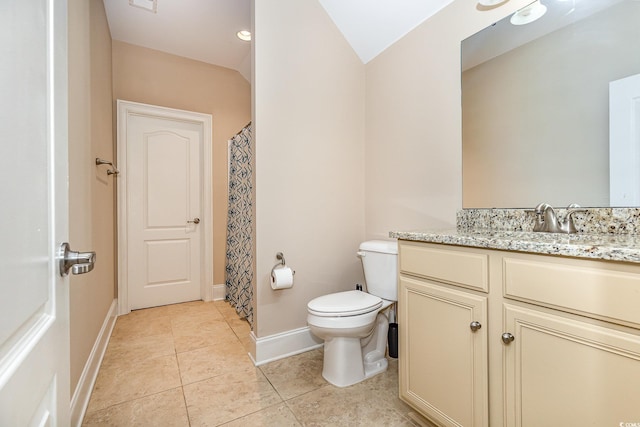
x,y
443,356
564,372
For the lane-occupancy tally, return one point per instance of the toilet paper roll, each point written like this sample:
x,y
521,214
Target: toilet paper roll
x,y
282,278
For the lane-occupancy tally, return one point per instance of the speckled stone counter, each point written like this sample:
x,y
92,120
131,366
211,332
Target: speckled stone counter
x,y
604,233
591,221
621,247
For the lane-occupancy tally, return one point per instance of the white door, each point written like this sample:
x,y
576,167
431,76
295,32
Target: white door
x,y
164,207
624,141
34,325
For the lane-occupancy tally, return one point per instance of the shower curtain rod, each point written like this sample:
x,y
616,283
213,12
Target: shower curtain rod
x,y
240,131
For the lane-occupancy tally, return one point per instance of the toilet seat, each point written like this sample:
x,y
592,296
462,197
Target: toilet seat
x,y
343,304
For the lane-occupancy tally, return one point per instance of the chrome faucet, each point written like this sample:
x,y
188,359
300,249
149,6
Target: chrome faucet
x,y
547,221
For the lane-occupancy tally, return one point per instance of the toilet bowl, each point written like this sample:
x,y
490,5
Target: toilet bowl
x,y
353,324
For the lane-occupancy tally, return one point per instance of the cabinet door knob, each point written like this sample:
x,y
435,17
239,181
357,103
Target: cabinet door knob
x,y
507,338
475,326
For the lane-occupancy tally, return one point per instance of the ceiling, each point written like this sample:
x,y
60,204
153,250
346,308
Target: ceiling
x,y
205,30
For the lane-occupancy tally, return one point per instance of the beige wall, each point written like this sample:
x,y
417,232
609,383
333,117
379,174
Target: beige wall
x,y
91,192
413,131
157,78
309,134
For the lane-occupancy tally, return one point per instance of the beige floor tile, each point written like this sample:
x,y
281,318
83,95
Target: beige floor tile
x,y
204,346
126,350
385,387
133,326
275,416
203,310
227,397
165,409
211,361
200,333
153,312
350,406
192,307
246,342
227,310
297,374
122,382
201,322
240,326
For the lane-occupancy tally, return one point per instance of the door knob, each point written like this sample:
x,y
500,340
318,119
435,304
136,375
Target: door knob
x,y
195,221
475,326
77,262
507,338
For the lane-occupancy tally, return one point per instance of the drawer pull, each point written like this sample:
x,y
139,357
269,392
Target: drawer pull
x,y
475,326
507,338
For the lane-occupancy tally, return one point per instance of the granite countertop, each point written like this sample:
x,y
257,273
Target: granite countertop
x,y
612,247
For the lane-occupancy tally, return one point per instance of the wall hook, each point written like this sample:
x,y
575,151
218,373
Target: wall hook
x,y
112,171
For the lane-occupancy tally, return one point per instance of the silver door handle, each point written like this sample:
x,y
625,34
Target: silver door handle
x,y
195,221
475,326
77,262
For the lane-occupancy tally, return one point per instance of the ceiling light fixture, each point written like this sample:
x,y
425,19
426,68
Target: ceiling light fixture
x,y
490,3
244,35
150,5
528,14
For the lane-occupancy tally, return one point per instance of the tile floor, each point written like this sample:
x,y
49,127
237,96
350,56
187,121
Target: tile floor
x,y
187,365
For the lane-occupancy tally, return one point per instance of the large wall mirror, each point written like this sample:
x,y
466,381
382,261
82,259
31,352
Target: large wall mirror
x,y
551,108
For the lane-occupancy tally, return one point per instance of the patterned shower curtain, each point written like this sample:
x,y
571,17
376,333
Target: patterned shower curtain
x,y
239,268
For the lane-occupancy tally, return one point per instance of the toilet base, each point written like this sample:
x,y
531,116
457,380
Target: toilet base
x,y
344,364
343,372
374,364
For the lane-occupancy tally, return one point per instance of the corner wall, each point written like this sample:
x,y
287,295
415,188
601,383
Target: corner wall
x,y
413,124
309,142
91,192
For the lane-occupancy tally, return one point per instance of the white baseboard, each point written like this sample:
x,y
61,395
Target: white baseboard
x,y
82,393
285,344
219,292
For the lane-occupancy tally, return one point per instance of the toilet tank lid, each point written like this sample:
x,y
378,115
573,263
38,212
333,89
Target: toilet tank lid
x,y
383,246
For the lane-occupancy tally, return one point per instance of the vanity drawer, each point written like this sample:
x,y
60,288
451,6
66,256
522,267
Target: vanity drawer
x,y
605,290
459,266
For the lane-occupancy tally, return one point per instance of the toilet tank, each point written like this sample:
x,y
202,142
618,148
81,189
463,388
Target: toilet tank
x,y
380,264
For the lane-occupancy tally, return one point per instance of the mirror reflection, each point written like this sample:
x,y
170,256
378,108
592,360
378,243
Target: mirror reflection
x,y
536,105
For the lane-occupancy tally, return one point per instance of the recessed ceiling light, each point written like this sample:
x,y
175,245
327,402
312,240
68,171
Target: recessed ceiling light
x,y
490,3
150,5
244,35
528,14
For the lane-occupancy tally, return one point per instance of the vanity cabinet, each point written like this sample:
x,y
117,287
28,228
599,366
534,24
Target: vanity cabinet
x,y
566,372
443,337
559,341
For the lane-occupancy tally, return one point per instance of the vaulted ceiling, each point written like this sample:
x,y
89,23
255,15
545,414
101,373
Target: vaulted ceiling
x,y
205,30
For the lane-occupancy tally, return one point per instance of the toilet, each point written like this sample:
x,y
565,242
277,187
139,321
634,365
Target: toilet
x,y
352,323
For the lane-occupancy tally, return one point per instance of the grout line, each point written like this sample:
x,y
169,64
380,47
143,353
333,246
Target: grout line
x,y
186,407
133,400
286,402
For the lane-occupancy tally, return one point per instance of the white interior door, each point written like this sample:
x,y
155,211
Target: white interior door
x,y
624,141
34,325
164,208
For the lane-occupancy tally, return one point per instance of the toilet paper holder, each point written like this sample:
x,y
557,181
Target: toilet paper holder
x,y
280,257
